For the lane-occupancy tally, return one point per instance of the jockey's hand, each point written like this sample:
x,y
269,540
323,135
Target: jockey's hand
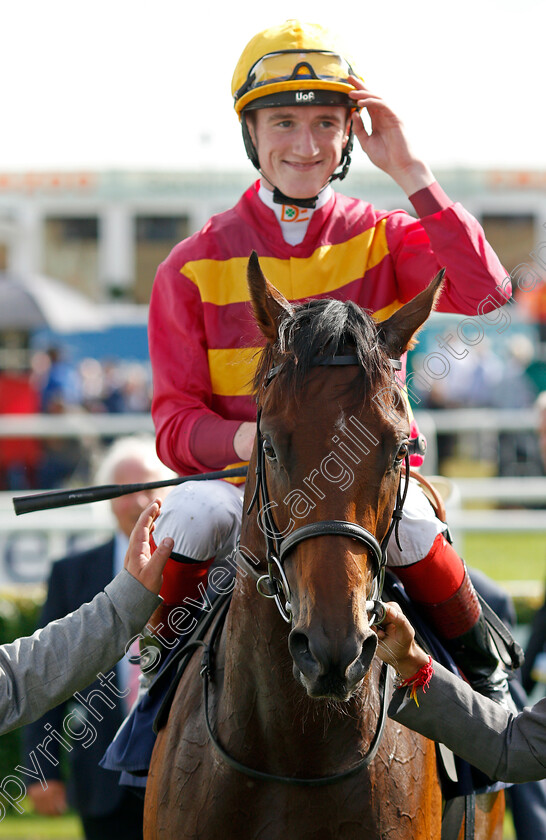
x,y
139,560
244,440
386,144
397,645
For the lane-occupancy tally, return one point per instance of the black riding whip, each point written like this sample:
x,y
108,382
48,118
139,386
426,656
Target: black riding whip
x,y
84,495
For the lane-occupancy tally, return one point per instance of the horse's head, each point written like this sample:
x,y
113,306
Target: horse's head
x,y
332,438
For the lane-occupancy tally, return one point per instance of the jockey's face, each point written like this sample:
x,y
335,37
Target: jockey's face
x,y
299,147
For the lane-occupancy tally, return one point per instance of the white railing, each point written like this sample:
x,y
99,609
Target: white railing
x,y
28,543
484,423
460,420
83,424
75,424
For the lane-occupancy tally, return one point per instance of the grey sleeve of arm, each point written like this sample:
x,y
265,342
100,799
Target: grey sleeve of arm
x,y
42,670
507,747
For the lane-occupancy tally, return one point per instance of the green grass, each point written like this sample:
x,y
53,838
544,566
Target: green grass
x,y
509,832
30,826
507,556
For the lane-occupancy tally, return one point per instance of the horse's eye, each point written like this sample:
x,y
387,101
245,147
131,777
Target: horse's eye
x,y
402,452
269,450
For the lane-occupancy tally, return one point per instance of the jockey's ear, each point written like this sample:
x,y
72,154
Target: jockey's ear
x,y
399,331
269,306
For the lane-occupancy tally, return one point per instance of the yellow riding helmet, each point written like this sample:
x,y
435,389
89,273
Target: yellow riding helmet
x,y
292,64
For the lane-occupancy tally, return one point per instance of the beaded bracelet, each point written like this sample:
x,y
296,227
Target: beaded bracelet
x,y
420,679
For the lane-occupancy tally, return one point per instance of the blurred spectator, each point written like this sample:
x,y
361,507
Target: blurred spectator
x,y
115,387
112,396
517,450
126,388
61,386
60,394
536,372
137,396
19,457
476,378
515,389
54,386
504,374
533,304
92,383
469,382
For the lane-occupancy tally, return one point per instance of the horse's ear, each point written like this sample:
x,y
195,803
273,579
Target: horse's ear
x,y
398,332
269,306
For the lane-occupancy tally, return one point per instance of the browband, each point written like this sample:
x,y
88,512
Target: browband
x,y
319,361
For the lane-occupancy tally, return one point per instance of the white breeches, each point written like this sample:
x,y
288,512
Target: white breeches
x,y
204,519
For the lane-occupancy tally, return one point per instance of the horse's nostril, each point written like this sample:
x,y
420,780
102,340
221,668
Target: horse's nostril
x,y
369,646
361,664
299,645
304,659
329,669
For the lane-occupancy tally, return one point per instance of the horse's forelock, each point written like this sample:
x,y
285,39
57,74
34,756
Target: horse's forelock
x,y
325,328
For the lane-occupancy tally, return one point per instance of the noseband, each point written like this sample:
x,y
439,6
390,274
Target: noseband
x,y
274,584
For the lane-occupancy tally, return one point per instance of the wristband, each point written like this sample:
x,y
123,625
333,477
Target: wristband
x,y
420,679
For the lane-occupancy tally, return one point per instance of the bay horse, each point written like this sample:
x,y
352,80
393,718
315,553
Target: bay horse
x,y
289,737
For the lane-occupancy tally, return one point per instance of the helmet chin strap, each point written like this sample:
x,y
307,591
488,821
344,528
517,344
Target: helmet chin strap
x,y
280,198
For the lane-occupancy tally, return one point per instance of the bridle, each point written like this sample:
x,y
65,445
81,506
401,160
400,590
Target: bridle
x,y
274,584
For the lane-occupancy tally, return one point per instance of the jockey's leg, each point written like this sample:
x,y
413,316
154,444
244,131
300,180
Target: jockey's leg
x,y
437,581
204,519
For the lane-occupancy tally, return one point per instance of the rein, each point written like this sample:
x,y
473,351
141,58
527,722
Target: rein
x,y
384,693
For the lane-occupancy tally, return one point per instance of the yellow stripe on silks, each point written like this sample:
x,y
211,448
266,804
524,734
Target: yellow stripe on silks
x,y
232,370
329,268
382,314
236,479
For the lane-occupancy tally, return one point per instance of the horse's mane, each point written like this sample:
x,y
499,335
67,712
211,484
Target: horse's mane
x,y
325,328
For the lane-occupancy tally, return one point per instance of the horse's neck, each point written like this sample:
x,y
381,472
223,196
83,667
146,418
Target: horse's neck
x,y
262,701
257,647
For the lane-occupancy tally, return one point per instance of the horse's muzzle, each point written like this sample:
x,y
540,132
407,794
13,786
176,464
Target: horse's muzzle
x,y
327,669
